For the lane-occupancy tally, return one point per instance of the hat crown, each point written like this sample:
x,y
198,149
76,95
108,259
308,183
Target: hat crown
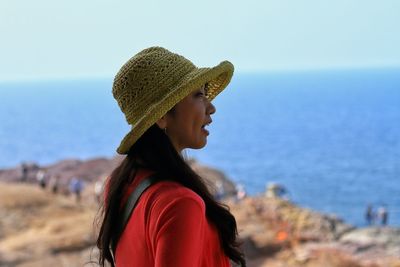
x,y
146,79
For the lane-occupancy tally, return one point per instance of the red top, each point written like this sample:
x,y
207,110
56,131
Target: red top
x,y
169,228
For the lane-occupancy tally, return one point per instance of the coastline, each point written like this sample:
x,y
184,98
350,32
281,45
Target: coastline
x,y
273,230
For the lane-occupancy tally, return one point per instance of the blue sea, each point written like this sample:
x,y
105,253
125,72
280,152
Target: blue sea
x,y
332,138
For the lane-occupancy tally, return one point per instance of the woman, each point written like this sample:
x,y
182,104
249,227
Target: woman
x,y
176,222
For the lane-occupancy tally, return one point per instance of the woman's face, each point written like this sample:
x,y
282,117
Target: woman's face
x,y
185,124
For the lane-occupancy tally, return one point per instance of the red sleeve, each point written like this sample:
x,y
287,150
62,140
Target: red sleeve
x,y
179,231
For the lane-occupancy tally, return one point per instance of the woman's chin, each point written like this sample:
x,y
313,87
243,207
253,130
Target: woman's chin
x,y
199,145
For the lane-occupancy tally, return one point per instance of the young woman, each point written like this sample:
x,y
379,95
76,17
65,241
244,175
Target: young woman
x,y
176,222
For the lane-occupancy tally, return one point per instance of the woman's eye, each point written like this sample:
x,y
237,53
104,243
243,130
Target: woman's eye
x,y
200,94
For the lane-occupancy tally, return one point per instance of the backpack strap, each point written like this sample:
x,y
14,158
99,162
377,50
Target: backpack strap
x,y
126,212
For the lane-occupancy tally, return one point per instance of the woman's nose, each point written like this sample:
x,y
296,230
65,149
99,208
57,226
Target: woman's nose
x,y
211,108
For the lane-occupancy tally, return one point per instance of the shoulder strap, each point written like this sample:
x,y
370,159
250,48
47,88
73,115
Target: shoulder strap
x,y
126,212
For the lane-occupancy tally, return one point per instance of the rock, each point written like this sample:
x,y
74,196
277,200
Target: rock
x,y
88,170
299,224
213,177
93,169
371,241
387,236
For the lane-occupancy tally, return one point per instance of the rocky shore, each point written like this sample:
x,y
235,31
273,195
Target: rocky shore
x,y
41,228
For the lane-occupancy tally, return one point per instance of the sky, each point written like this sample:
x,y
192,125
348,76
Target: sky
x,y
50,39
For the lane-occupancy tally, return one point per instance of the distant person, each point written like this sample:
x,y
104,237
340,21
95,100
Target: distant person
x,y
369,215
55,183
98,190
219,190
240,192
76,187
383,215
41,177
177,222
24,172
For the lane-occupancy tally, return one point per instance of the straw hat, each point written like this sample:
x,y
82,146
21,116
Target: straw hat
x,y
153,81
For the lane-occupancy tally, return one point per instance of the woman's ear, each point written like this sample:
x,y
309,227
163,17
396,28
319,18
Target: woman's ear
x,y
162,122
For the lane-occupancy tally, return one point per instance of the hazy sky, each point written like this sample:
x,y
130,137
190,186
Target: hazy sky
x,y
85,38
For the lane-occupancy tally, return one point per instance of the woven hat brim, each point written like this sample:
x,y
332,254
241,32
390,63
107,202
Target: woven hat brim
x,y
217,78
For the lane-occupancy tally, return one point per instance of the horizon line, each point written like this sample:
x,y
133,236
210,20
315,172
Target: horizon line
x,y
237,72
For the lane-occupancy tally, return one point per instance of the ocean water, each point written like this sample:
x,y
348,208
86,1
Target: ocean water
x,y
332,138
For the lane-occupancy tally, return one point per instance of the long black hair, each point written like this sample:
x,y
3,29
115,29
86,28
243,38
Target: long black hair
x,y
155,151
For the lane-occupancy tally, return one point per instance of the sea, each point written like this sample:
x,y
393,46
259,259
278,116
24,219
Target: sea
x,y
330,137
